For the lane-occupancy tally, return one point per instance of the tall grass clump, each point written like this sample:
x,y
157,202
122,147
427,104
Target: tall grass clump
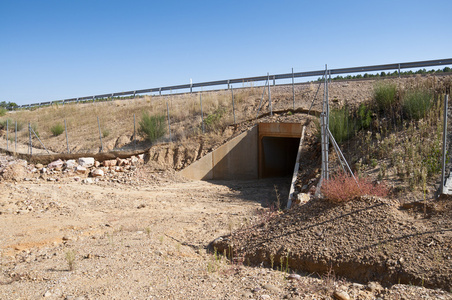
x,y
57,129
342,188
2,111
152,127
342,125
416,103
385,96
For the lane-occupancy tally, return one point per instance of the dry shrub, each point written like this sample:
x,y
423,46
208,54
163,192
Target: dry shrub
x,y
341,188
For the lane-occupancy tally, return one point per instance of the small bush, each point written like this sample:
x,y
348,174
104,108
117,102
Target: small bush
x,y
213,120
152,128
342,125
416,104
105,132
385,96
342,188
57,129
364,117
2,111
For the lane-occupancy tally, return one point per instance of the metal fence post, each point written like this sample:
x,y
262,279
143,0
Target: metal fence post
x,y
269,96
233,105
202,115
67,141
293,89
134,133
29,141
169,123
7,129
443,172
100,136
15,138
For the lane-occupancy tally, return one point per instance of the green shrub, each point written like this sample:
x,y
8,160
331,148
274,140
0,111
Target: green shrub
x,y
152,127
416,103
105,132
213,120
385,96
2,111
364,116
342,125
57,129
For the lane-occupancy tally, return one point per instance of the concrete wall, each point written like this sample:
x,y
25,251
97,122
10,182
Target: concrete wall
x,y
237,159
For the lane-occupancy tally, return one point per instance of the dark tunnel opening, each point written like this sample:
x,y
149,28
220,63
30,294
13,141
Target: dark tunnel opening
x,y
278,156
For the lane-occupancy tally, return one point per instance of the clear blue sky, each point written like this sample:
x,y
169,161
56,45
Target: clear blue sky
x,y
56,49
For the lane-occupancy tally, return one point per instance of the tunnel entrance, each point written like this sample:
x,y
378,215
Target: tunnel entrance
x,y
278,156
266,151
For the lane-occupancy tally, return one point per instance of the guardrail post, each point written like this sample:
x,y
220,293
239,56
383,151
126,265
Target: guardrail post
x,y
274,80
93,99
228,84
191,85
399,70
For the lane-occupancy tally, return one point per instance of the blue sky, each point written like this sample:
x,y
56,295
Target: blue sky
x,y
57,49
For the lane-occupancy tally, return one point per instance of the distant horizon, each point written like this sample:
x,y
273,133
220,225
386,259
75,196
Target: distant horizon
x,y
54,50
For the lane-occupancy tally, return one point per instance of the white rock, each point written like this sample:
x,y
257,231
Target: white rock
x,y
97,173
81,170
86,161
70,164
55,164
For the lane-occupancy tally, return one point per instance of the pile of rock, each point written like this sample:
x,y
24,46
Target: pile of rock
x,y
84,167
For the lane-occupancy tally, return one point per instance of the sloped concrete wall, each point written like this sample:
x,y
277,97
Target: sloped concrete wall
x,y
237,159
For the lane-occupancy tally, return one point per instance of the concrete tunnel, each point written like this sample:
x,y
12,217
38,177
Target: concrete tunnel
x,y
267,150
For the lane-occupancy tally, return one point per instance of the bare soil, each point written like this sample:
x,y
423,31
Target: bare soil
x,y
149,234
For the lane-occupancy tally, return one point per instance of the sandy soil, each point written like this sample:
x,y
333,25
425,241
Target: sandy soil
x,y
148,239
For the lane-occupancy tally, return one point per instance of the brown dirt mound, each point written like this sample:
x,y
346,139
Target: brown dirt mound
x,y
364,240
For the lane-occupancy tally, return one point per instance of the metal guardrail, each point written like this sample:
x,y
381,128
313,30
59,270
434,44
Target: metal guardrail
x,y
274,77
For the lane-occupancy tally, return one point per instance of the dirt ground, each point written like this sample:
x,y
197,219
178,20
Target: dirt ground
x,y
148,238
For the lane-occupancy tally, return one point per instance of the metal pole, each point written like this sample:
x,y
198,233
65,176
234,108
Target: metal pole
x,y
67,141
40,140
443,172
29,142
100,136
293,90
15,138
233,106
269,96
262,98
7,129
134,133
169,123
202,115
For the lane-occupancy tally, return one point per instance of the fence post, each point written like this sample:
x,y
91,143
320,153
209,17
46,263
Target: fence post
x,y
293,90
7,129
202,115
29,141
191,85
134,133
443,172
100,136
67,141
169,123
233,105
269,96
15,138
